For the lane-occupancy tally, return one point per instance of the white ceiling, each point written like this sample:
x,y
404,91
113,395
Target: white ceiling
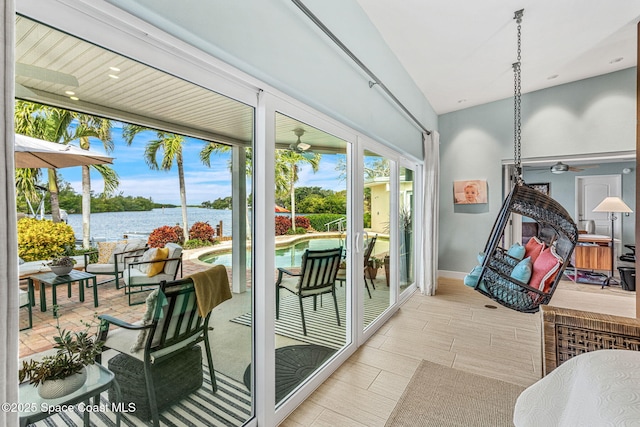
x,y
460,52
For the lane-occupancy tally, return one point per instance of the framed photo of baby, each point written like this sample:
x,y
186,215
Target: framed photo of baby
x,y
470,192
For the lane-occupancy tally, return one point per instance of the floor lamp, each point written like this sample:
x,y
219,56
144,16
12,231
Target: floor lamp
x,y
612,205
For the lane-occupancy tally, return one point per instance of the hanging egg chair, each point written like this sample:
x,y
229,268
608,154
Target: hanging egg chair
x,y
524,277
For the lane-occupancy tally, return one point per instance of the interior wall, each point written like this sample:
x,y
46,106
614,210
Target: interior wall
x,y
563,189
594,115
275,42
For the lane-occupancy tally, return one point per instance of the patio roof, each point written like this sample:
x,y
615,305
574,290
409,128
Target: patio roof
x,y
52,67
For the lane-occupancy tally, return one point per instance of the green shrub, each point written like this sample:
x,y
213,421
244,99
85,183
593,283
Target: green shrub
x,y
197,243
40,239
318,221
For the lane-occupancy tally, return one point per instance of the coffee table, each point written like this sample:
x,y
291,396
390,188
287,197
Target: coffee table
x,y
34,408
54,281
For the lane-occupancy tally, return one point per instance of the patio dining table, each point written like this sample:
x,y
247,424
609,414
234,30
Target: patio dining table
x,y
52,280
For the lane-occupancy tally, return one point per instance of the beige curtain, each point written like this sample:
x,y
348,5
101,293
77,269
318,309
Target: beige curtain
x,y
8,236
431,184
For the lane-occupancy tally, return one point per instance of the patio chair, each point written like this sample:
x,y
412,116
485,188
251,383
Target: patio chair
x,y
317,277
160,361
145,273
367,256
25,300
111,258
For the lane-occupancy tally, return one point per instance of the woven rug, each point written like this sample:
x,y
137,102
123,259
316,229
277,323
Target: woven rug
x,y
229,406
294,363
322,328
440,396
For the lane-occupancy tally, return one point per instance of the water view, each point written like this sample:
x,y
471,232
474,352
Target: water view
x,y
115,225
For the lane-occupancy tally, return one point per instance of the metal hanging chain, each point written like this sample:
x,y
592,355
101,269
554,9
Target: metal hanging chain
x,y
517,88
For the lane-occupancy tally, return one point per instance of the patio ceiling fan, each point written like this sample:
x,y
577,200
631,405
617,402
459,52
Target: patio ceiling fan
x,y
45,75
563,167
299,146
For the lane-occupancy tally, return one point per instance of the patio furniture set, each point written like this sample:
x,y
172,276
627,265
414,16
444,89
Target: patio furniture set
x,y
138,267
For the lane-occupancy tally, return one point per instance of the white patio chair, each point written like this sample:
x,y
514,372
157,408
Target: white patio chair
x,y
140,274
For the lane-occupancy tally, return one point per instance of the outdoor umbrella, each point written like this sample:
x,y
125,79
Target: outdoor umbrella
x,y
37,153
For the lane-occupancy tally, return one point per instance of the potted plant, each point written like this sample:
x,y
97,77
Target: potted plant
x,y
64,372
372,267
62,265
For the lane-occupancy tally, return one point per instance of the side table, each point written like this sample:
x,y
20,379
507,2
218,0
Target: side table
x,y
68,279
99,379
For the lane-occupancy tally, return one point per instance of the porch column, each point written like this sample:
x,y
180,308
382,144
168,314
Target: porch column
x,y
239,219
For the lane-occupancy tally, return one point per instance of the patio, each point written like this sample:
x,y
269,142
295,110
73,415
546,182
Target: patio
x,y
230,331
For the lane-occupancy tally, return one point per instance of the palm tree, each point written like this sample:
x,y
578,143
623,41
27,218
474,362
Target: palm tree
x,y
53,124
171,146
287,168
102,128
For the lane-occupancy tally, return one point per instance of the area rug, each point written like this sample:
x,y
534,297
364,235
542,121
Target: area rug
x,y
229,406
587,277
322,328
294,363
440,396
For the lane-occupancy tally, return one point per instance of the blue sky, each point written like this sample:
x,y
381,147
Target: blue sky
x,y
202,183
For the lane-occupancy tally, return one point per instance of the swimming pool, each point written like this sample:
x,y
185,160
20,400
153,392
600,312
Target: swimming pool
x,y
291,255
285,257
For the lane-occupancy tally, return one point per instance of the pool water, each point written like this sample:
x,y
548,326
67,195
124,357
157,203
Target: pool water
x,y
289,256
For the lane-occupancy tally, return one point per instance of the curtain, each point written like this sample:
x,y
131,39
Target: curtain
x,y
8,233
431,183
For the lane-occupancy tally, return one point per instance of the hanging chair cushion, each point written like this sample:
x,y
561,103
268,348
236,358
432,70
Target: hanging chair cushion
x,y
545,269
534,248
522,271
517,251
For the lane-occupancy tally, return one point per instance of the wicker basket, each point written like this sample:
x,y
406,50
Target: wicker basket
x,y
568,333
173,378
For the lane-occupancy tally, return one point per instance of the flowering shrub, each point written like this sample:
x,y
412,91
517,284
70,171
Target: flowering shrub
x,y
165,234
283,224
40,239
201,231
303,221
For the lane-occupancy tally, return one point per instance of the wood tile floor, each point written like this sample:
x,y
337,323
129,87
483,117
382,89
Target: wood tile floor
x,y
453,328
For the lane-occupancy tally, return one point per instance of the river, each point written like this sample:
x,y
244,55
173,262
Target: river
x,y
114,225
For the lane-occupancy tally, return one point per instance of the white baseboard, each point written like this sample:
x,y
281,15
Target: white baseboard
x,y
447,274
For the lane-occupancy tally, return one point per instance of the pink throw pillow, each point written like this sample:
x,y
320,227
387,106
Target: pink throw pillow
x,y
533,249
545,269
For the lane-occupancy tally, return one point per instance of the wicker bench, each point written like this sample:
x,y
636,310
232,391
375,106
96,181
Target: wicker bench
x,y
568,333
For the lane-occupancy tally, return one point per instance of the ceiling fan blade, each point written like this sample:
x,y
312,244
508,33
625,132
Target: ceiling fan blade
x,y
45,74
575,169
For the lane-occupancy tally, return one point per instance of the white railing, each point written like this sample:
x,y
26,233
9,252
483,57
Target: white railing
x,y
340,223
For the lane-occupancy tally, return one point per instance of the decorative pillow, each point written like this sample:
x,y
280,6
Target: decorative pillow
x,y
481,258
471,279
522,271
534,248
105,250
118,251
545,269
157,267
516,251
149,255
146,320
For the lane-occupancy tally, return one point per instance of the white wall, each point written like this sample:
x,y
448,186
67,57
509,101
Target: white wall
x,y
274,41
594,115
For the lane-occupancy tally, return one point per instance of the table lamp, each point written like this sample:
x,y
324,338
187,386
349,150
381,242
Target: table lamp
x,y
611,205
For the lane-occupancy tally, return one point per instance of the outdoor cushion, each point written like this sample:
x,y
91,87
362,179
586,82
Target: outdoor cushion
x,y
133,276
175,251
23,298
34,267
105,250
100,268
146,257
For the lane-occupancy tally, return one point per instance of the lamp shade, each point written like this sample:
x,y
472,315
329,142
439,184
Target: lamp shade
x,y
612,204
